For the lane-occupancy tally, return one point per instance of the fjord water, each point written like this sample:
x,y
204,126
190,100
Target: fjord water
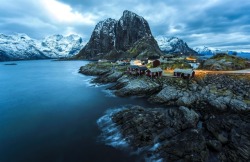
x,y
48,112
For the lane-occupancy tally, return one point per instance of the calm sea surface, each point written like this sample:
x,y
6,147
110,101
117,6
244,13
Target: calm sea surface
x,y
48,113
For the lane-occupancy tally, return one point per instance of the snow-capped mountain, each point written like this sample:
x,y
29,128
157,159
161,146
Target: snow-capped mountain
x,y
19,46
22,47
204,50
173,45
56,46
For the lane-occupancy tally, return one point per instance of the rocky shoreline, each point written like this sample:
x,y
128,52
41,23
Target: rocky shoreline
x,y
210,121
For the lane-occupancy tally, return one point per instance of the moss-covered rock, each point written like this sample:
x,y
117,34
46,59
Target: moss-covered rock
x,y
144,48
224,62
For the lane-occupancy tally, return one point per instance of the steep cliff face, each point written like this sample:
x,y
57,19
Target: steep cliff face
x,y
102,40
112,39
129,29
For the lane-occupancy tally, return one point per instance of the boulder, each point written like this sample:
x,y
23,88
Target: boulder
x,y
139,86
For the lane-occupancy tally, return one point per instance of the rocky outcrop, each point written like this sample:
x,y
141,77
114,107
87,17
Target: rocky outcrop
x,y
232,136
144,48
167,134
174,134
224,62
110,77
135,86
95,69
112,39
210,124
215,93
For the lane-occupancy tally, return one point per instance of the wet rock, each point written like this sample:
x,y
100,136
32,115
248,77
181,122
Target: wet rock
x,y
219,102
169,93
233,131
214,144
189,145
95,69
109,77
143,128
187,100
238,105
138,86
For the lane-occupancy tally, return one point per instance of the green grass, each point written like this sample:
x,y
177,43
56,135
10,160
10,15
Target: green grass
x,y
177,64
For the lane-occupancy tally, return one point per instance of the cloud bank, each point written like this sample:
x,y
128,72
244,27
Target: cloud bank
x,y
223,24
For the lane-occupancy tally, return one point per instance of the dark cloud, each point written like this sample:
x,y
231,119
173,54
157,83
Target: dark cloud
x,y
215,23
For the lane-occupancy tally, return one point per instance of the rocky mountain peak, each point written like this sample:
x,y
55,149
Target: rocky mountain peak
x,y
111,35
105,25
129,29
101,41
129,14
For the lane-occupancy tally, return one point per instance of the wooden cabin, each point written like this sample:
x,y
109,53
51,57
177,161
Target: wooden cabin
x,y
184,73
154,72
141,70
137,70
132,69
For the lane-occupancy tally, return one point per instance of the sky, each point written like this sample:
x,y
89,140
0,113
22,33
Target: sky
x,y
220,24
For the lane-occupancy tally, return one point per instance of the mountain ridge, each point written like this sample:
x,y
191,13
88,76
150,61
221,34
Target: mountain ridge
x,y
20,46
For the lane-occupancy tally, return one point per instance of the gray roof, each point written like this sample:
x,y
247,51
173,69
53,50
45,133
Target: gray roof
x,y
185,71
133,66
157,69
142,68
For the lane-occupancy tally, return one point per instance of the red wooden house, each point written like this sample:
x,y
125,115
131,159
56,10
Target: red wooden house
x,y
141,70
184,73
154,72
137,70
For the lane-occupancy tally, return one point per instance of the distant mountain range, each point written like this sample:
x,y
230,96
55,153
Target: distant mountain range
x,y
203,50
174,45
22,47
